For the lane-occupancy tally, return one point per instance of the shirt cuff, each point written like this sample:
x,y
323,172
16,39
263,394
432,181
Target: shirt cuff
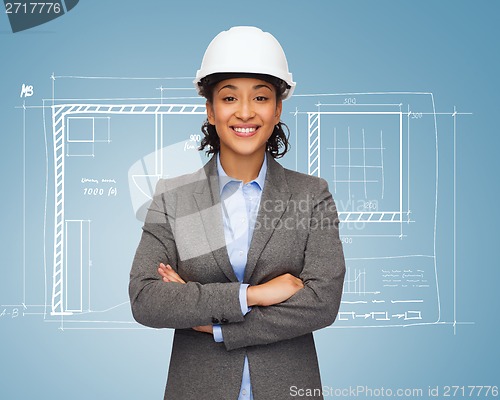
x,y
217,332
243,298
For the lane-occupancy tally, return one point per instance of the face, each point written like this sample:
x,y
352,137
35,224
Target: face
x,y
244,112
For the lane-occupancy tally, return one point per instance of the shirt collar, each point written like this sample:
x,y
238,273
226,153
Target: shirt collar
x,y
224,179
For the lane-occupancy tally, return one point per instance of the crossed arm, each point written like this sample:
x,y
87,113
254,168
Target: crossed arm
x,y
272,292
284,307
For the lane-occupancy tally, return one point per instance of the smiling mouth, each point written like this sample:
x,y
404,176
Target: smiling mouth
x,y
245,132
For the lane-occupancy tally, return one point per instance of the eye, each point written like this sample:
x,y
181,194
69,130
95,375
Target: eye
x,y
229,99
261,98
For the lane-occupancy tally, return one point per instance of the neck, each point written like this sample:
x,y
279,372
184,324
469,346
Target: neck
x,y
243,167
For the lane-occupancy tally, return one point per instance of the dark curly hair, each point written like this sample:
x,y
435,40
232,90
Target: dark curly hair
x,y
277,144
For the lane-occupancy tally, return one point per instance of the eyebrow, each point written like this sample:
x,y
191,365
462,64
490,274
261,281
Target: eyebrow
x,y
232,87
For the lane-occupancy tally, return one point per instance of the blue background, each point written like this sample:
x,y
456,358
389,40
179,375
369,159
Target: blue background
x,y
449,48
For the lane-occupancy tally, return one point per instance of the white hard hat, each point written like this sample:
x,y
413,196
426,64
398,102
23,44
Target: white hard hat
x,y
248,50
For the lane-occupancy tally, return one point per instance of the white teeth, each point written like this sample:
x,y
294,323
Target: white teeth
x,y
244,130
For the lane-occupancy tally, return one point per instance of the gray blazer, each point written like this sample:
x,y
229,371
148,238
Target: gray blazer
x,y
296,231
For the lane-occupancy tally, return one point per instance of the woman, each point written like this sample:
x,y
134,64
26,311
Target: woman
x,y
242,258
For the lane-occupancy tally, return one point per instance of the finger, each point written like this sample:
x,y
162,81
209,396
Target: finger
x,y
166,268
174,277
166,271
162,267
171,279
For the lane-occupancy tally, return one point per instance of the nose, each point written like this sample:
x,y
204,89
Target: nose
x,y
245,110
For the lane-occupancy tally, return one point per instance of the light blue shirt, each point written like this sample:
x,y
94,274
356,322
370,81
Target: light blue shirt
x,y
240,205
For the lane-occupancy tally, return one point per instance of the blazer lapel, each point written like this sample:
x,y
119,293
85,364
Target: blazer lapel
x,y
207,198
273,204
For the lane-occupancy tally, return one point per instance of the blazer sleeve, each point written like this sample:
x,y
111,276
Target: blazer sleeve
x,y
159,304
313,307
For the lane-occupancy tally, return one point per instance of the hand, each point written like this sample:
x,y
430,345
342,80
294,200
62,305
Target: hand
x,y
274,291
204,328
168,274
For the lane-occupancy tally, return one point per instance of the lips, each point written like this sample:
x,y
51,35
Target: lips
x,y
245,131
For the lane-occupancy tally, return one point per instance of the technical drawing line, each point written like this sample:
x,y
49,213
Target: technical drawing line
x,y
359,93
80,223
58,126
436,208
390,257
408,160
150,186
354,112
34,107
454,220
81,267
382,165
359,166
314,128
370,217
364,160
90,265
104,329
68,321
24,204
174,88
356,148
76,99
59,113
417,324
349,161
45,209
118,77
381,112
445,113
400,168
407,301
61,110
111,308
359,282
358,104
296,140
53,78
65,274
374,235
159,168
356,278
156,153
335,158
353,151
